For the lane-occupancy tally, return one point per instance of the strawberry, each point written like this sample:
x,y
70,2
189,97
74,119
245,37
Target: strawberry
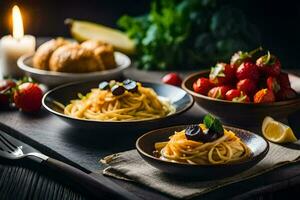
x,y
222,74
273,84
264,96
6,88
237,96
218,92
28,97
285,94
6,84
248,86
283,80
172,79
269,65
202,86
247,70
240,57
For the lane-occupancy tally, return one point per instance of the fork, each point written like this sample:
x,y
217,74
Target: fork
x,y
99,190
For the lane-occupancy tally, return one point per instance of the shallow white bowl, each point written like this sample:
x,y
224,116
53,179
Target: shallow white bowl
x,y
51,78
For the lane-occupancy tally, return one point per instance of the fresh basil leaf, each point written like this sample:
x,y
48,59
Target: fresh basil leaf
x,y
213,123
208,121
217,126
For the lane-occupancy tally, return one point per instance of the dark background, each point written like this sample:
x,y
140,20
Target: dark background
x,y
278,21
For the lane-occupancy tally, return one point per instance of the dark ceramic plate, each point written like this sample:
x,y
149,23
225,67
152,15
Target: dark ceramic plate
x,y
244,114
180,99
145,146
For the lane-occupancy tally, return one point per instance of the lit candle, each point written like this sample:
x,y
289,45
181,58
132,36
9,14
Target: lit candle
x,y
12,47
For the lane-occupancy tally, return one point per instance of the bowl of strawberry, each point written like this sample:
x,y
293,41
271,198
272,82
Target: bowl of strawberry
x,y
247,89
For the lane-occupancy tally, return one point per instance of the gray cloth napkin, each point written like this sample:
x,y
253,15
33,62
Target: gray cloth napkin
x,y
130,166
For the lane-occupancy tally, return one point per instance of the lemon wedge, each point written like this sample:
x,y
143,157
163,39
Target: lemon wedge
x,y
83,30
277,132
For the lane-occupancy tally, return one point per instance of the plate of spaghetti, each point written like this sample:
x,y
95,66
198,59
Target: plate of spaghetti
x,y
116,102
207,150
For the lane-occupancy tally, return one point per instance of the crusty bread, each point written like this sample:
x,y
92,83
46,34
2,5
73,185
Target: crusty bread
x,y
44,52
103,50
75,59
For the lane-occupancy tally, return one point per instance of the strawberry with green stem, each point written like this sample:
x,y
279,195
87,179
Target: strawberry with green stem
x,y
202,85
236,96
218,92
222,74
28,97
239,57
269,65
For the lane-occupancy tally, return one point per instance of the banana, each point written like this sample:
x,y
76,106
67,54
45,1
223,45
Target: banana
x,y
84,30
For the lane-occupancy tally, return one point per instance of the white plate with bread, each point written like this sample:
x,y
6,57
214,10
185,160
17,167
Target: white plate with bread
x,y
61,61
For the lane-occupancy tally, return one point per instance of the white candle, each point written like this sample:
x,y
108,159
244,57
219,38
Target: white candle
x,y
12,47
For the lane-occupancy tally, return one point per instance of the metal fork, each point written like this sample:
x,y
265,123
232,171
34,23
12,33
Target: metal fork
x,y
11,148
11,151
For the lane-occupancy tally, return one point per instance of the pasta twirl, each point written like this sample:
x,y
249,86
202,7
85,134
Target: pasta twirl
x,y
102,105
226,149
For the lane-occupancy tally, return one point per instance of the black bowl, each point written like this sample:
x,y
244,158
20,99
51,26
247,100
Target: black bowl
x,y
145,146
179,98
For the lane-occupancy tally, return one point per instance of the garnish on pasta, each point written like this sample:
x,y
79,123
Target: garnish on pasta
x,y
205,144
119,101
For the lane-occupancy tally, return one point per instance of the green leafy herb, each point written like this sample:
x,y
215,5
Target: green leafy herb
x,y
213,123
182,34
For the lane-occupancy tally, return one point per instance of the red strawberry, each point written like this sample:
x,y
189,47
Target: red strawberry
x,y
283,80
248,86
28,97
237,96
6,84
247,70
202,86
172,79
269,65
264,96
222,74
239,57
285,94
218,92
273,84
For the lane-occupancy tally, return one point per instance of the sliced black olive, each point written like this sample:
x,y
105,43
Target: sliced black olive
x,y
210,135
117,90
104,85
130,85
193,132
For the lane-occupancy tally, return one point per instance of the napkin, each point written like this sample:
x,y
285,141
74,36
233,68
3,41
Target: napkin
x,y
130,166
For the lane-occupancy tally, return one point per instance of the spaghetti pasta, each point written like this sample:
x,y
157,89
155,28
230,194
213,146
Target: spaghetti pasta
x,y
227,149
103,105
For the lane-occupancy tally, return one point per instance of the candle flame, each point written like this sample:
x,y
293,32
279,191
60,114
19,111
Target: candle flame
x,y
18,30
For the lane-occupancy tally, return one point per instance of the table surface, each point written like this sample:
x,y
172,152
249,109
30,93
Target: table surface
x,y
84,147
